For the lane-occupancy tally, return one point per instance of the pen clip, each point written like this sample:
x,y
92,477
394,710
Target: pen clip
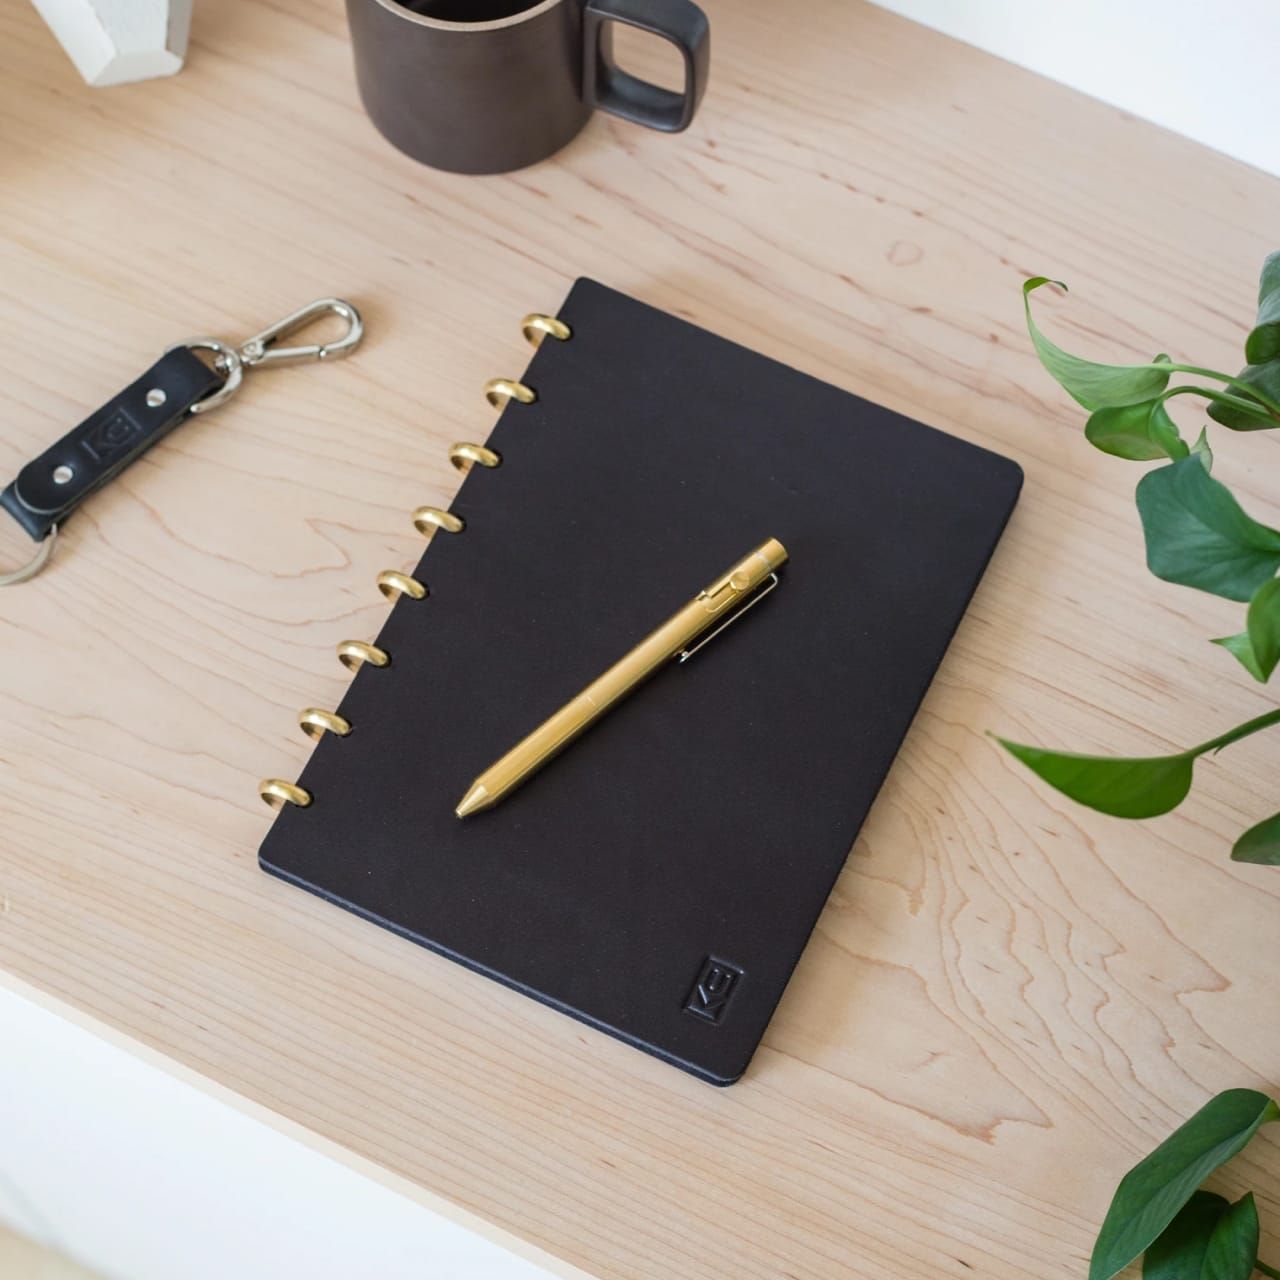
x,y
758,595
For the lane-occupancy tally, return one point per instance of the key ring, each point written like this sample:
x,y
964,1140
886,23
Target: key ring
x,y
37,562
178,386
227,361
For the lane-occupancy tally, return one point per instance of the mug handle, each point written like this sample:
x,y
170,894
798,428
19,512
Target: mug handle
x,y
607,86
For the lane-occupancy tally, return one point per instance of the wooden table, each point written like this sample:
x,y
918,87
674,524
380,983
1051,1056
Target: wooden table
x,y
1008,999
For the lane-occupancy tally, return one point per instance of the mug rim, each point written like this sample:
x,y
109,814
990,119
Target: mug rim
x,y
442,24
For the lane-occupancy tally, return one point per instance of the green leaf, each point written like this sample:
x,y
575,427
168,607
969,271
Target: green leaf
x,y
1164,431
1233,1247
1262,624
1266,377
1177,1253
1258,647
1263,343
1260,844
1209,1239
1198,535
1095,386
1129,787
1142,787
1138,432
1202,451
1239,647
1155,1189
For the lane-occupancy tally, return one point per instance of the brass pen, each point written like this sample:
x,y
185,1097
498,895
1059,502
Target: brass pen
x,y
736,590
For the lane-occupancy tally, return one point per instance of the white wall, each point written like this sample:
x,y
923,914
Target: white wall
x,y
1202,68
126,1162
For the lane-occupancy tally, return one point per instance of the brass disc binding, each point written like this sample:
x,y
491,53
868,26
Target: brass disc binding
x,y
464,455
353,654
428,519
497,391
315,723
536,326
393,584
277,793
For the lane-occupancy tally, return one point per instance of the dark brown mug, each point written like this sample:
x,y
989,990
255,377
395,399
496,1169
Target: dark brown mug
x,y
484,86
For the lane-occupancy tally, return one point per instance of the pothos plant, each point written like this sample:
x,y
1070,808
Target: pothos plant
x,y
1197,535
1161,1212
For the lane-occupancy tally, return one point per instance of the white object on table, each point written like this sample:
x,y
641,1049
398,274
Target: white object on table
x,y
135,1166
116,41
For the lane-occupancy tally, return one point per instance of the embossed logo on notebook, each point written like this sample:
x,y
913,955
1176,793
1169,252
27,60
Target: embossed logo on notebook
x,y
715,985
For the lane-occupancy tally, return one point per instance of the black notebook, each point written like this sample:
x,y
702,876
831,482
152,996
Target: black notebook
x,y
660,878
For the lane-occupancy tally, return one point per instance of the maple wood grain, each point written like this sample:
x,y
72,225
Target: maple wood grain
x,y
1008,999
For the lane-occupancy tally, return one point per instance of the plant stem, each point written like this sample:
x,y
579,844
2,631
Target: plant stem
x,y
1234,735
1251,407
1249,391
1259,1265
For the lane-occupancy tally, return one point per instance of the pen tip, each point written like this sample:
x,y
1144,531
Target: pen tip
x,y
475,799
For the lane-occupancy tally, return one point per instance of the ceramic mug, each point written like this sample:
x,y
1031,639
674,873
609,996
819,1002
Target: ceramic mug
x,y
485,86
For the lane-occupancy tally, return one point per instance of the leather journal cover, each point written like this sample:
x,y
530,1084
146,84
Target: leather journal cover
x,y
660,878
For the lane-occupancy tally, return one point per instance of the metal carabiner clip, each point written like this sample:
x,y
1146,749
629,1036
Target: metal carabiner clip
x,y
261,349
